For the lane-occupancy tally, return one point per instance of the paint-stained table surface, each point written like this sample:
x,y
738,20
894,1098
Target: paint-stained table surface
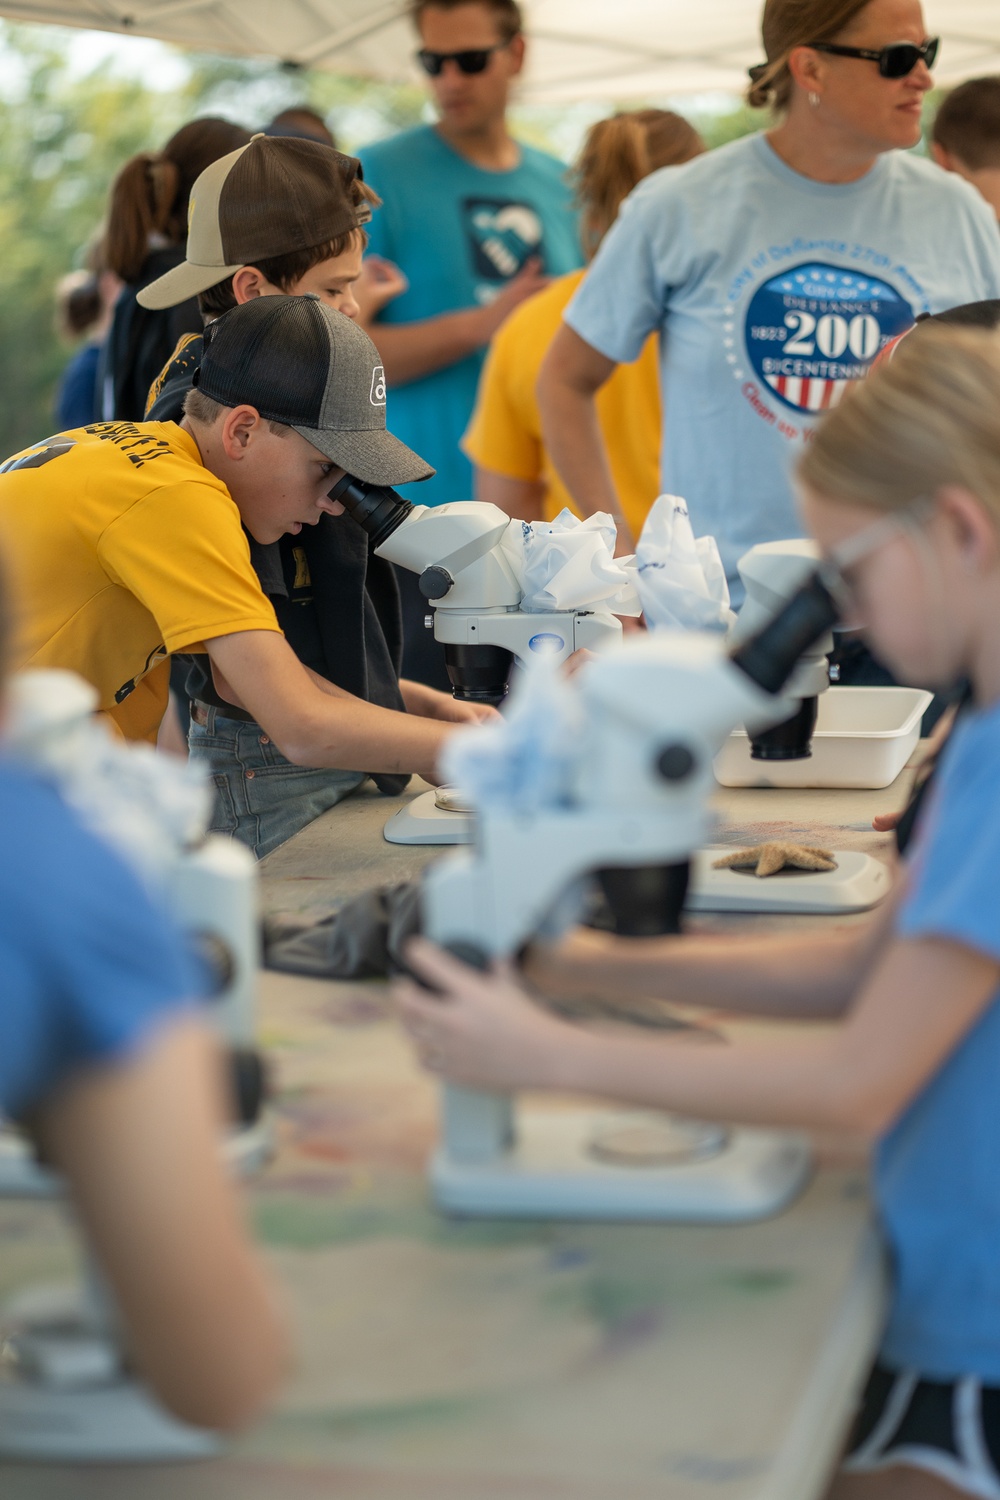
x,y
505,1361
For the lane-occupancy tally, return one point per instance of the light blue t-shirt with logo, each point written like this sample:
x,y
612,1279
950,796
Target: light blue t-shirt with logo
x,y
459,233
937,1181
772,293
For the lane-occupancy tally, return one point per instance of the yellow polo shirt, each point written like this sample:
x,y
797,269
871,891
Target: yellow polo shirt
x,y
122,548
505,433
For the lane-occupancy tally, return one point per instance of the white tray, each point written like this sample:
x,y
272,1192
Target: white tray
x,y
864,737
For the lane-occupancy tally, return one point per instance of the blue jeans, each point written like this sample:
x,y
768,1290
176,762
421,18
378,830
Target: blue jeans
x,y
260,797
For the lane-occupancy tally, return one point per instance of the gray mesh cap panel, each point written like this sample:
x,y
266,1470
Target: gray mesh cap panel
x,y
301,363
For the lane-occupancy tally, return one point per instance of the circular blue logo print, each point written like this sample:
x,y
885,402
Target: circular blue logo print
x,y
815,328
546,641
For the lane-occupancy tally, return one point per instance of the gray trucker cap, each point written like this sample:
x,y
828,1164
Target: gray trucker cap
x,y
300,363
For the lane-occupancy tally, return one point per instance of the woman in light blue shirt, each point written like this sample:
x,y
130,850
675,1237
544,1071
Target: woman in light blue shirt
x,y
774,268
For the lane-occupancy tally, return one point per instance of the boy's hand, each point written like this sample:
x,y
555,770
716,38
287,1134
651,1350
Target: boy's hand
x,y
381,282
429,703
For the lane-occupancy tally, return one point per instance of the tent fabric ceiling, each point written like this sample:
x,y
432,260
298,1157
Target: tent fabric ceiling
x,y
580,49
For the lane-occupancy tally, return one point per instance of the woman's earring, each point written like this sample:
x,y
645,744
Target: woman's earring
x,y
814,98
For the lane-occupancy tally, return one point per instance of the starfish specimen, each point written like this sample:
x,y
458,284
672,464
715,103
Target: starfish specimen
x,y
768,859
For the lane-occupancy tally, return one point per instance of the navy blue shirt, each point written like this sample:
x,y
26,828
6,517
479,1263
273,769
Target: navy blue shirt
x,y
89,965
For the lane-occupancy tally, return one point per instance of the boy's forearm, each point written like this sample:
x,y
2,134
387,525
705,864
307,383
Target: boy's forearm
x,y
353,735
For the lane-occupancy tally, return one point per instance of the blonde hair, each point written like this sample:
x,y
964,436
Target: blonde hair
x,y
786,24
928,418
617,154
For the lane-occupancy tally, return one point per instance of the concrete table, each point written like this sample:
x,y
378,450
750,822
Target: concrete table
x,y
502,1360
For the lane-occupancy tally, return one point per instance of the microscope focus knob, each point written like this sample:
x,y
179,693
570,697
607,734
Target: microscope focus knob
x,y
675,762
435,582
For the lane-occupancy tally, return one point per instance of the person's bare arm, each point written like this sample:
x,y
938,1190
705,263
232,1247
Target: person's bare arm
x,y
572,373
139,1145
412,350
315,723
522,499
481,1031
433,704
808,977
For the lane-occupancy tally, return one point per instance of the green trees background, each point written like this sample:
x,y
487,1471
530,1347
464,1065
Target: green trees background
x,y
63,136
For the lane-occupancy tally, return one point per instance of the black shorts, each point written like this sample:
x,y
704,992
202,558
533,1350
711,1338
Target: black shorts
x,y
949,1428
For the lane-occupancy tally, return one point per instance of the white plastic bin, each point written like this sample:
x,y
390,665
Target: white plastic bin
x,y
864,737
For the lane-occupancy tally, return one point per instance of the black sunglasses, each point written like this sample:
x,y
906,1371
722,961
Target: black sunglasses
x,y
474,61
894,61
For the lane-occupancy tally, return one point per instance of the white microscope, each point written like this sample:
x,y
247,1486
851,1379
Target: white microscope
x,y
65,1390
633,809
466,554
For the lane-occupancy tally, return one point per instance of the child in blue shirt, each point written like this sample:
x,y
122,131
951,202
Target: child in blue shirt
x,y
904,477
105,1060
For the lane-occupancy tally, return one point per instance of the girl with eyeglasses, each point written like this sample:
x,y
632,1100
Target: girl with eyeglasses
x,y
775,268
901,488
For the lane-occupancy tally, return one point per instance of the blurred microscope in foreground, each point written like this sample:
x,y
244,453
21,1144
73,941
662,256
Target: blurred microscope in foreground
x,y
607,779
65,1390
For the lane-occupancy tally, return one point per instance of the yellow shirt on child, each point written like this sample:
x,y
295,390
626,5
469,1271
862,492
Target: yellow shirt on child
x,y
505,433
122,548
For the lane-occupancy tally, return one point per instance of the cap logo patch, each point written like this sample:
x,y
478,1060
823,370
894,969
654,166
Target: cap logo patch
x,y
377,396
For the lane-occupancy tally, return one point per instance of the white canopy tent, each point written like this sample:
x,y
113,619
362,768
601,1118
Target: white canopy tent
x,y
581,49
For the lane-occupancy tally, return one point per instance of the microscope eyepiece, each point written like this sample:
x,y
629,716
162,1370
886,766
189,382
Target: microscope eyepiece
x,y
770,657
377,509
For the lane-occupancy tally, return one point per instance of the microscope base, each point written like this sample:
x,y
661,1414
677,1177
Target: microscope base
x,y
423,822
64,1397
858,883
552,1173
118,1423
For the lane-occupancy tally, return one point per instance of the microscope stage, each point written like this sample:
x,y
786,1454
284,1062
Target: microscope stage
x,y
557,1169
858,883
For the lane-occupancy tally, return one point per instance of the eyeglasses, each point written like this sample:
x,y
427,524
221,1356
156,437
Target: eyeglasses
x,y
474,61
838,565
894,61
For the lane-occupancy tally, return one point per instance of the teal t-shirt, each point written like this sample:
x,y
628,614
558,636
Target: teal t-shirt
x,y
458,232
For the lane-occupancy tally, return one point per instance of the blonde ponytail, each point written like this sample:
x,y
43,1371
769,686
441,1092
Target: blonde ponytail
x,y
617,154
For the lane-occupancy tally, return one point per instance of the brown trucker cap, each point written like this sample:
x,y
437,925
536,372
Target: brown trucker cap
x,y
298,362
273,196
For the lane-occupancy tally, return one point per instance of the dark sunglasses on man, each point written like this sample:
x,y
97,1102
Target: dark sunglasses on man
x,y
894,61
474,60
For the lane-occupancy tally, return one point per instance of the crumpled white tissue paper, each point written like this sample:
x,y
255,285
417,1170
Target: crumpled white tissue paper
x,y
570,564
148,806
527,761
680,579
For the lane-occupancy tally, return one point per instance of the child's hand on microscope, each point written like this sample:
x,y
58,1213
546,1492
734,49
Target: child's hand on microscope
x,y
480,1030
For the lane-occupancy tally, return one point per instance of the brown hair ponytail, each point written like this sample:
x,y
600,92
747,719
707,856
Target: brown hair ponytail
x,y
786,24
150,194
617,154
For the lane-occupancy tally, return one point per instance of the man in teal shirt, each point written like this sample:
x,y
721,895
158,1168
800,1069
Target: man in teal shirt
x,y
476,222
